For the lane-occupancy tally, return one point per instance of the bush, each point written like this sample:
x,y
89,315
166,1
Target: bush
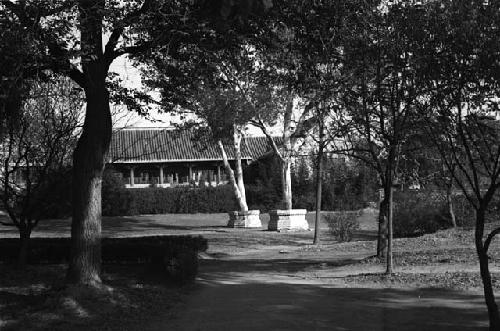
x,y
342,224
419,212
262,197
176,256
52,199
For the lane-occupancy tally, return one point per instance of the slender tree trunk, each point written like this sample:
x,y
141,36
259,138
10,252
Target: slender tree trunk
x,y
88,166
389,230
449,202
382,226
232,179
319,184
489,296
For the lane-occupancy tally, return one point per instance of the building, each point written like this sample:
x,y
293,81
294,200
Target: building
x,y
165,157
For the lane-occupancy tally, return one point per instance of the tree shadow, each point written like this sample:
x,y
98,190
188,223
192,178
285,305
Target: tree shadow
x,y
284,306
54,306
208,267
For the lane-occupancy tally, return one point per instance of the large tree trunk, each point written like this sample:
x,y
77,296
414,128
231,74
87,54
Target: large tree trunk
x,y
88,157
482,254
88,165
232,179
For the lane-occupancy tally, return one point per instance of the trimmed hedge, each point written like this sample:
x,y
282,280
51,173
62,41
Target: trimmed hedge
x,y
126,202
174,255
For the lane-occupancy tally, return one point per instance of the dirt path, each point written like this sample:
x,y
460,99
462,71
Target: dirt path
x,y
256,280
252,295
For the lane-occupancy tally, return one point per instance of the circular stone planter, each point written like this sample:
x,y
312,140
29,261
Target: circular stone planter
x,y
288,220
244,219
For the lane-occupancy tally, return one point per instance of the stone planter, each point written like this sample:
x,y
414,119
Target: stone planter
x,y
288,220
244,219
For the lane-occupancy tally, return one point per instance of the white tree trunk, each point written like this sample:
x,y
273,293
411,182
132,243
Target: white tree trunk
x,y
239,171
235,182
286,184
286,180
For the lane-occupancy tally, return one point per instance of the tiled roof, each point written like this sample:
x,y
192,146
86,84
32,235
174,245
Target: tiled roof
x,y
167,145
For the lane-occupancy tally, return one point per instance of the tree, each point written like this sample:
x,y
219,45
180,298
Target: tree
x,y
379,99
53,25
35,154
459,48
218,88
304,63
225,114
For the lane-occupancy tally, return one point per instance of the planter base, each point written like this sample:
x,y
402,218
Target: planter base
x,y
244,219
288,220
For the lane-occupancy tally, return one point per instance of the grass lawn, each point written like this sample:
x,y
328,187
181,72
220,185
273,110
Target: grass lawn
x,y
257,279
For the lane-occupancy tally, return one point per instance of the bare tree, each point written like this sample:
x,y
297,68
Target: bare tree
x,y
379,99
459,67
35,154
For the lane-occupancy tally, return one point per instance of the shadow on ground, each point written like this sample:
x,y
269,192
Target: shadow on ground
x,y
282,306
210,268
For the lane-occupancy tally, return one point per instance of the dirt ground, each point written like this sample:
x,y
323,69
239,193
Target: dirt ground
x,y
261,280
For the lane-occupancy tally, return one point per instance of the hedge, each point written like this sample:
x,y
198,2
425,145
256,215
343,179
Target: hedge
x,y
139,201
174,255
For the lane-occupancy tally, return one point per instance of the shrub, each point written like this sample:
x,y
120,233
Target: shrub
x,y
342,224
262,197
52,199
419,212
465,214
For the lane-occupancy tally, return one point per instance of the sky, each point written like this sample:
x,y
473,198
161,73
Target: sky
x,y
132,79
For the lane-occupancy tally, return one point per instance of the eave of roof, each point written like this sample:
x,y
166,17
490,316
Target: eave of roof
x,y
168,146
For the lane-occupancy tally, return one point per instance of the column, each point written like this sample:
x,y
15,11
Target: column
x,y
161,175
131,176
218,174
190,173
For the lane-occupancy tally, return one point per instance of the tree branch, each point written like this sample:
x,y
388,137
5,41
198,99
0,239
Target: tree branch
x,y
110,52
490,237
